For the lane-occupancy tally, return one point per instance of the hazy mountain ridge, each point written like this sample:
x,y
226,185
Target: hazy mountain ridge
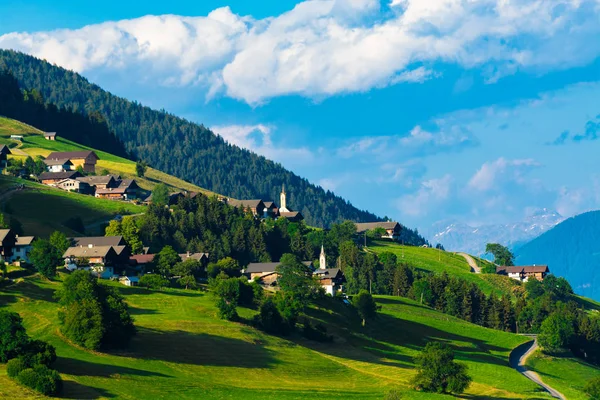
x,y
458,236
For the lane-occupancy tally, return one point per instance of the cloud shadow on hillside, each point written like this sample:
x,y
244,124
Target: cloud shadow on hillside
x,y
75,367
198,349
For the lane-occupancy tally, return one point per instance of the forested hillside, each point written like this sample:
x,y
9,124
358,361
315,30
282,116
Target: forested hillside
x,y
572,250
194,152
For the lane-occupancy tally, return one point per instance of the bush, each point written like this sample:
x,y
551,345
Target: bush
x,y
39,352
153,281
13,338
438,372
227,293
556,333
270,319
592,389
317,333
15,366
41,379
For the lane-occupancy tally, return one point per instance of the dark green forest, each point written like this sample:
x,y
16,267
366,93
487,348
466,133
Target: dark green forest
x,y
195,153
571,249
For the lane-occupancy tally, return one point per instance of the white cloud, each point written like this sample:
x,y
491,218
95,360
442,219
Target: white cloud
x,y
259,139
327,47
492,174
431,193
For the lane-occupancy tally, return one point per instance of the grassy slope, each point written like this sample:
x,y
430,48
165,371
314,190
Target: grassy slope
x,y
34,144
183,351
434,260
567,375
42,210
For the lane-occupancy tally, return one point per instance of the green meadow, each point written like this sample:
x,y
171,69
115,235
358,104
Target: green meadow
x,y
183,350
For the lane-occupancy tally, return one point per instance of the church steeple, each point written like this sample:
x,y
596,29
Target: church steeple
x,y
322,259
282,201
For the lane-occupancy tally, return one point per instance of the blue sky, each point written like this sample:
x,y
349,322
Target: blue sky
x,y
421,110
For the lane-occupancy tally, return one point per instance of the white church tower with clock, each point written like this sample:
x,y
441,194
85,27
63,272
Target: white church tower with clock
x,y
282,201
322,259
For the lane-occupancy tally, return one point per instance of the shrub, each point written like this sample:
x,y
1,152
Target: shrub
x,y
227,293
438,372
365,305
41,379
13,338
15,366
153,281
556,333
270,319
39,352
592,389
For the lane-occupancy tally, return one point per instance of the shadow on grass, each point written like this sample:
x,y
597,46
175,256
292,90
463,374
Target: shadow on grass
x,y
127,290
72,366
32,291
198,349
142,311
6,299
75,390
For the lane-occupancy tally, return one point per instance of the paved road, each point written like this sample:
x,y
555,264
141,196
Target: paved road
x,y
518,358
472,262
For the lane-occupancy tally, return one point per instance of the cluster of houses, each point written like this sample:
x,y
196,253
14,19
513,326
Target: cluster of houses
x,y
14,249
268,209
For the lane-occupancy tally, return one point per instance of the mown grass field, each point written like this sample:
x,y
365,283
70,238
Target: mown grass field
x,y
434,260
567,375
42,210
183,351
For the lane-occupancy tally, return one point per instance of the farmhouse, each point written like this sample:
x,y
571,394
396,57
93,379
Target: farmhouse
x,y
16,137
141,262
392,229
4,152
256,207
202,257
98,241
100,182
22,248
59,165
85,159
266,272
52,178
100,260
129,280
74,185
50,135
8,239
126,189
271,209
524,273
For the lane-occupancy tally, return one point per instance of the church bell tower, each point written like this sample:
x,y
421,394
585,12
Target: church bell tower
x,y
282,201
322,259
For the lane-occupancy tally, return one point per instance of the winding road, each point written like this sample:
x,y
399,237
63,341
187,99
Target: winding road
x,y
472,263
518,358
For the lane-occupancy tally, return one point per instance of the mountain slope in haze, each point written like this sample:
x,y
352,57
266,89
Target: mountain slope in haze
x,y
571,249
194,152
457,236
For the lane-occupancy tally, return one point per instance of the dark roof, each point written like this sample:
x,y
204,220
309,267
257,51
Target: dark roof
x,y
328,273
117,190
97,180
245,203
99,241
267,267
291,215
141,259
367,226
195,256
523,269
119,249
72,154
128,184
59,175
86,252
269,204
4,149
49,134
58,161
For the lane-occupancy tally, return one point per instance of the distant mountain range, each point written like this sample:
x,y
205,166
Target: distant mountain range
x,y
457,236
572,250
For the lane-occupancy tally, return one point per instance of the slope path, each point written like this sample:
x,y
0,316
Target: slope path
x,y
472,262
518,358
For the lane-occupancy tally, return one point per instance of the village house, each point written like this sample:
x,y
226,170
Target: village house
x,y
129,280
8,239
52,178
141,262
98,241
126,189
271,210
285,212
266,273
392,229
4,152
100,260
74,185
256,207
101,182
202,257
22,248
524,273
50,135
331,279
59,165
17,137
85,159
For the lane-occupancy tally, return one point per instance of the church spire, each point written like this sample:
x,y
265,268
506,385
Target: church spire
x,y
322,259
283,200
